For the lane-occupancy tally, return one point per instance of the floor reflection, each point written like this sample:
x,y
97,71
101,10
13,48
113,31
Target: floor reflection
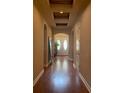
x,y
58,65
60,77
60,80
65,65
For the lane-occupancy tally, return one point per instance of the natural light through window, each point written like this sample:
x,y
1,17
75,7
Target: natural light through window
x,y
65,44
77,45
58,44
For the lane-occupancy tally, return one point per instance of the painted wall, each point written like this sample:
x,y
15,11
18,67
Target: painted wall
x,y
60,30
82,32
38,41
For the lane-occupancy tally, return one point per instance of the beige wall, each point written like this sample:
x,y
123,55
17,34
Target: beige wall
x,y
84,27
38,41
65,31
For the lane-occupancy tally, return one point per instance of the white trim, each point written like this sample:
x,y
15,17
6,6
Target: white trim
x,y
85,82
38,77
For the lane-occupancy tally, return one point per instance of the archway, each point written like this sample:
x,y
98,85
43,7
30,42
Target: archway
x,y
61,42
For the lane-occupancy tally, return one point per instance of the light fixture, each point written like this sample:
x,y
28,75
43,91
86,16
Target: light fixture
x,y
61,12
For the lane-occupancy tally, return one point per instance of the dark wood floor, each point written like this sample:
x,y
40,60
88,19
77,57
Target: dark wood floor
x,y
60,77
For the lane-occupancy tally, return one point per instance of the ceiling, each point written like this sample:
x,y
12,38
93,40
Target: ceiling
x,y
61,14
61,2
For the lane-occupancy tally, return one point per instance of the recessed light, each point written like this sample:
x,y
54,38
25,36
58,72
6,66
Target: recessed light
x,y
61,12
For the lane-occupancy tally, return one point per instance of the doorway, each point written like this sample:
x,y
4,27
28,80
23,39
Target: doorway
x,y
77,46
45,45
62,44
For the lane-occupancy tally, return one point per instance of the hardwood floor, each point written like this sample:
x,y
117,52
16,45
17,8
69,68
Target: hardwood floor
x,y
60,77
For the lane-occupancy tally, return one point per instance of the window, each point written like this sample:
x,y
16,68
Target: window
x,y
65,44
58,44
77,45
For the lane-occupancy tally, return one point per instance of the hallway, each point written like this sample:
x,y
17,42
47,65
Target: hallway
x,y
62,29
62,46
60,77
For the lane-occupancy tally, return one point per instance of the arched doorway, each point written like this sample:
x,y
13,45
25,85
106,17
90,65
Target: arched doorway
x,y
61,44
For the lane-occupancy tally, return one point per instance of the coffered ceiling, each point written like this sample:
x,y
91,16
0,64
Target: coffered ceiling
x,y
61,2
61,14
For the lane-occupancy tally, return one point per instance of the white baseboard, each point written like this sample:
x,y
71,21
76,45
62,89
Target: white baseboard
x,y
38,77
85,82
